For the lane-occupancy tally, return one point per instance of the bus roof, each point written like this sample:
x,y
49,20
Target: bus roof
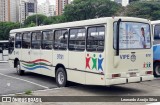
x,y
155,22
78,23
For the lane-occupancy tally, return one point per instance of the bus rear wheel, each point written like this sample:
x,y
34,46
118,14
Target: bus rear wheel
x,y
61,77
18,69
157,69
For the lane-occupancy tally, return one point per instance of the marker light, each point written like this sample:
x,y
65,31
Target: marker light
x,y
149,72
116,75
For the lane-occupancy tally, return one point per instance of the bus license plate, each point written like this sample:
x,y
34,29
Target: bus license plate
x,y
132,74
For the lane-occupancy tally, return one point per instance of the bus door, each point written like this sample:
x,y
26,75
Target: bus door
x,y
60,53
95,55
18,45
77,54
46,53
35,52
25,52
134,51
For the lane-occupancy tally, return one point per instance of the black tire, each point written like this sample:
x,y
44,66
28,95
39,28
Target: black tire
x,y
18,69
156,69
61,77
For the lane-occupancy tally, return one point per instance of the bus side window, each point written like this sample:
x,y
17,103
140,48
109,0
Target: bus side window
x,y
60,39
95,39
26,40
47,40
18,40
157,31
77,39
36,40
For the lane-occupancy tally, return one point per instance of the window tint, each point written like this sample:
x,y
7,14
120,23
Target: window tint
x,y
26,41
77,39
18,40
47,40
36,40
61,37
95,38
157,31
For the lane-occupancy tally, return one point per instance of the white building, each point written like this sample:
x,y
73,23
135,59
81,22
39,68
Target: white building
x,y
27,8
14,10
4,10
8,10
46,9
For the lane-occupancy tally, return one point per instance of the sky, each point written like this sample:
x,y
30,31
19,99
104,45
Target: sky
x,y
42,1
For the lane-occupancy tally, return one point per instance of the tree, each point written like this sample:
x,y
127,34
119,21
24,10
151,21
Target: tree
x,y
36,19
54,20
146,9
89,9
133,1
5,28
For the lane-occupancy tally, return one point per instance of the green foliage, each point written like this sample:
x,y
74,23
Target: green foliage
x,y
28,92
34,19
144,9
54,20
89,9
5,28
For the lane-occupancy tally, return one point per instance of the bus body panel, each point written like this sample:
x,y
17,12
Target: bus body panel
x,y
25,59
77,63
89,67
47,62
132,64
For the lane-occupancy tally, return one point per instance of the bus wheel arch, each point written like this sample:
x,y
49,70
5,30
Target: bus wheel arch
x,y
61,75
156,69
16,60
17,66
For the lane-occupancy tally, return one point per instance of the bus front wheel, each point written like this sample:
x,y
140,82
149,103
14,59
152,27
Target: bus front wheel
x,y
61,77
18,69
157,69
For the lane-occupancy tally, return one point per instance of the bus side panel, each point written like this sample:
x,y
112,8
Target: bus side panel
x,y
76,71
60,57
46,63
95,68
25,58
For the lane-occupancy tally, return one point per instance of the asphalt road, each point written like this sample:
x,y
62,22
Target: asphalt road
x,y
11,83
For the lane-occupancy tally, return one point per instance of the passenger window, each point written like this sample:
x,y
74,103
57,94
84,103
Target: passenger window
x,y
77,39
18,40
26,40
47,40
95,39
60,42
36,40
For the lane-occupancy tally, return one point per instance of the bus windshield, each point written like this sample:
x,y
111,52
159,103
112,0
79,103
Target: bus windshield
x,y
133,35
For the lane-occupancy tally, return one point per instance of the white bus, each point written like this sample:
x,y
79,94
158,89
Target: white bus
x,y
103,51
156,47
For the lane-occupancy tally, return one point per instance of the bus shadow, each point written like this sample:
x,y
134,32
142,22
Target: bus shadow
x,y
43,79
111,90
117,90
